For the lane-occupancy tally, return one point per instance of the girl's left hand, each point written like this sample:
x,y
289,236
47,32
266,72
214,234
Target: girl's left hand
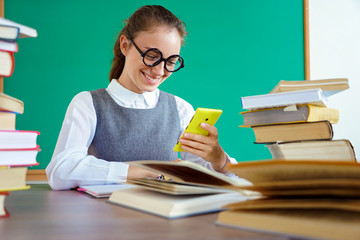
x,y
206,147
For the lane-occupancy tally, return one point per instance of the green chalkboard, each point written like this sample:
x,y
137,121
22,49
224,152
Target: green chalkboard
x,y
234,48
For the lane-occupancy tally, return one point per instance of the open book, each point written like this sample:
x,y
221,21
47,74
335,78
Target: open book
x,y
189,173
193,189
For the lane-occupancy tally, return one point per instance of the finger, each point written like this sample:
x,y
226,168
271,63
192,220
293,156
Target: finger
x,y
195,137
198,152
196,145
211,129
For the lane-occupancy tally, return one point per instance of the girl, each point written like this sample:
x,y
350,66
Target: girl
x,y
104,130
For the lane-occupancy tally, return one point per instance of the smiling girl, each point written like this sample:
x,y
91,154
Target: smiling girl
x,y
104,130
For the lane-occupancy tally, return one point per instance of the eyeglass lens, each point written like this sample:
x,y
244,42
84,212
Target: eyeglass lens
x,y
153,57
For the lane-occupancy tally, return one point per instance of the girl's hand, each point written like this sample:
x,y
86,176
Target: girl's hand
x,y
136,172
206,147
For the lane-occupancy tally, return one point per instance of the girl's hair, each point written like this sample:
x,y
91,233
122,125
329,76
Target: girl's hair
x,y
143,19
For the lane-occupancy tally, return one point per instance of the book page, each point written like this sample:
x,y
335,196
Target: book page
x,y
188,172
260,172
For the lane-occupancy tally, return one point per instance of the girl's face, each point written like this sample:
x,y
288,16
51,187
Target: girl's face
x,y
136,76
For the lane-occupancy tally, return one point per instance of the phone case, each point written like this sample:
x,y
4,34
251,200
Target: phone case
x,y
207,115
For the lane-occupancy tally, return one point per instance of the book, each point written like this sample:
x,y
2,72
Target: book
x,y
172,206
189,172
335,150
298,195
300,177
18,139
13,178
176,188
3,212
7,63
25,31
290,114
329,224
311,96
329,86
290,132
350,204
9,46
102,191
19,157
9,33
11,104
7,120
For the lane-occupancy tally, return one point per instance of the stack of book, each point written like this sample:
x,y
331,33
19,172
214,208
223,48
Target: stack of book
x,y
294,122
312,199
18,149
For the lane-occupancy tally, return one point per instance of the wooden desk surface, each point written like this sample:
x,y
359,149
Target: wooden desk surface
x,y
40,213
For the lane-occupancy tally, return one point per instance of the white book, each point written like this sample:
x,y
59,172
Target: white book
x,y
9,46
271,100
173,206
25,31
18,139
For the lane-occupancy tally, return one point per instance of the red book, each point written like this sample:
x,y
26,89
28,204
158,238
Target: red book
x,y
7,61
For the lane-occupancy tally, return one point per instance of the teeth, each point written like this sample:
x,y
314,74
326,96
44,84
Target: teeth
x,y
151,79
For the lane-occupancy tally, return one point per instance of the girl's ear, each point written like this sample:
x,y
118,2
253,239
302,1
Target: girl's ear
x,y
124,44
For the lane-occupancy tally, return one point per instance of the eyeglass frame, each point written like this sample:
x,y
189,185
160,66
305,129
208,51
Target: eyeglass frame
x,y
143,54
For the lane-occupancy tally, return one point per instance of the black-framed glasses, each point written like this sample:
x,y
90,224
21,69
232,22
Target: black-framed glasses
x,y
153,57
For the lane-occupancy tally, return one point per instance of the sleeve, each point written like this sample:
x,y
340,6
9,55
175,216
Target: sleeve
x,y
70,165
186,111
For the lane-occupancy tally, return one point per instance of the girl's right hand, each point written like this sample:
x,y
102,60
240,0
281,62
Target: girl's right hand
x,y
136,172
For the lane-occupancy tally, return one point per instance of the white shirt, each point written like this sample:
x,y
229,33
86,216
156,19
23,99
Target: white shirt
x,y
71,166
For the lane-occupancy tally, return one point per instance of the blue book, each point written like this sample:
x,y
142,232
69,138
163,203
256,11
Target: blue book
x,y
9,33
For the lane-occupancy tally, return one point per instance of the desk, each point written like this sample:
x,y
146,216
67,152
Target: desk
x,y
40,213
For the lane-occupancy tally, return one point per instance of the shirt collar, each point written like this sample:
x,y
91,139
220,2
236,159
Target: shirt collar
x,y
128,97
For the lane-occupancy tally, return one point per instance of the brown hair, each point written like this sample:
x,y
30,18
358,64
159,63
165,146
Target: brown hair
x,y
143,19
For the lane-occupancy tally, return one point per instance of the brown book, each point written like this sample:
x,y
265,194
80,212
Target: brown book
x,y
310,223
316,199
7,120
289,132
300,177
301,113
11,104
329,86
330,150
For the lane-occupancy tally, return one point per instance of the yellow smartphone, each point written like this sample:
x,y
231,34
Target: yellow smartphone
x,y
207,115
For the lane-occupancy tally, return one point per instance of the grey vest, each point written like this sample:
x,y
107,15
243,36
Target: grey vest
x,y
126,134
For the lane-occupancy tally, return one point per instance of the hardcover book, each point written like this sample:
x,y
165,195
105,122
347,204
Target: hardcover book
x,y
335,150
290,132
172,206
25,31
311,96
293,114
329,86
9,33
